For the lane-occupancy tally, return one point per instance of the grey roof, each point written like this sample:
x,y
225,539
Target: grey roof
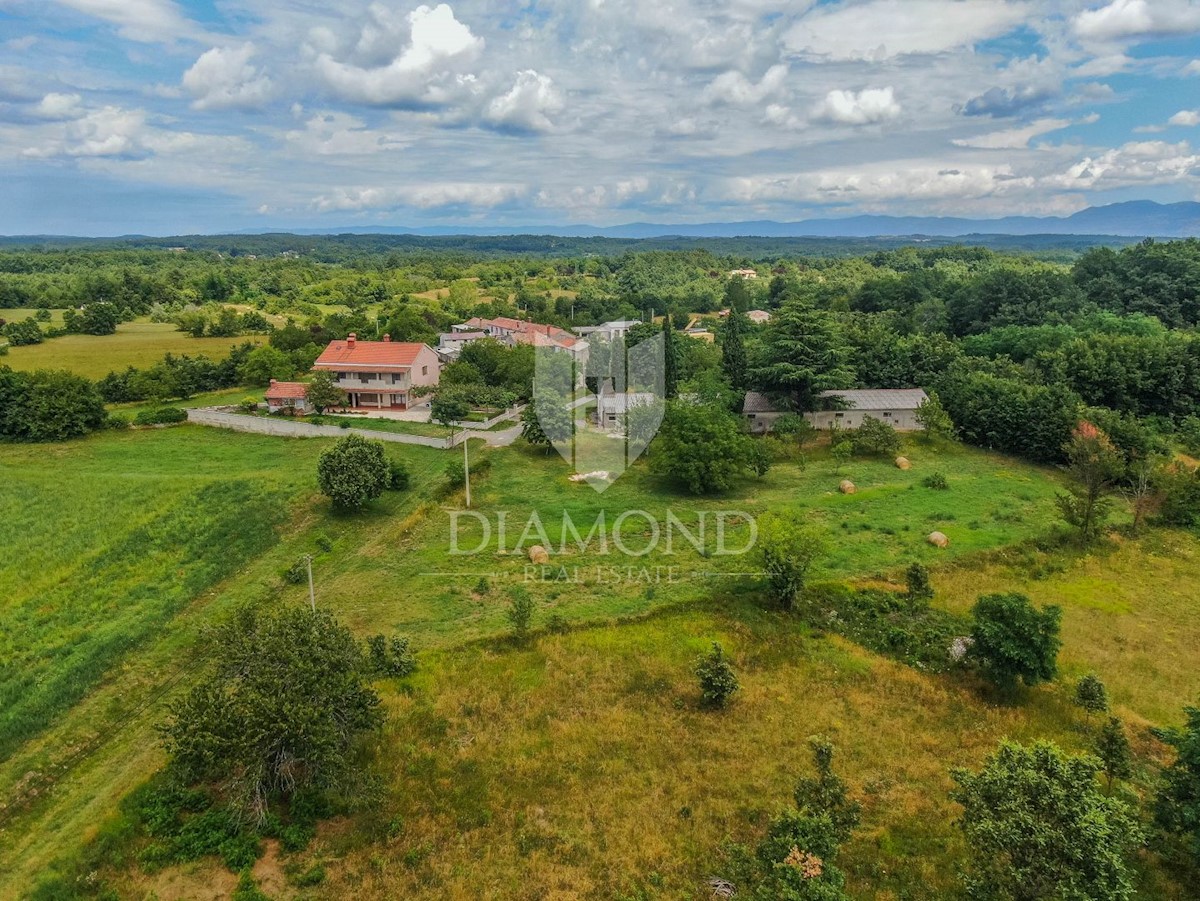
x,y
881,398
758,403
866,399
623,403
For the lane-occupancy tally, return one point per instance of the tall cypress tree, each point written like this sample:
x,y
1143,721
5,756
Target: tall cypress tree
x,y
670,361
733,350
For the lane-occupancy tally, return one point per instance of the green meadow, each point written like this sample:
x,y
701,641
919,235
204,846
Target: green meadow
x,y
138,343
581,767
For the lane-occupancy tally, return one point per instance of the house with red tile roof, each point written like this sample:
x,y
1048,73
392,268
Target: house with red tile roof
x,y
287,396
512,332
380,375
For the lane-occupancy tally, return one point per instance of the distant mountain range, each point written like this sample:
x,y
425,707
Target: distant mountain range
x,y
1135,219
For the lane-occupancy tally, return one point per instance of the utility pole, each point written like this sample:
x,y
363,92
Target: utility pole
x,y
467,470
312,597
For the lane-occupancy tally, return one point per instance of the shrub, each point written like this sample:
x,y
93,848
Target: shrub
x,y
248,404
1034,816
937,481
314,875
296,837
1112,747
717,679
520,613
920,590
826,795
392,657
353,472
788,550
297,573
1014,640
1177,807
841,451
161,416
1091,695
398,477
557,623
875,438
248,890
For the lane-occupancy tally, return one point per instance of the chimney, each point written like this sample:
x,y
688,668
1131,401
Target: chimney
x,y
350,340
272,381
387,339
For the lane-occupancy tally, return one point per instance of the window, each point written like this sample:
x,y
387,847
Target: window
x,y
839,415
364,377
887,414
424,370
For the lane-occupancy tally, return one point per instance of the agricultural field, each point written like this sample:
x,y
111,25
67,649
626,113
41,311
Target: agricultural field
x,y
138,343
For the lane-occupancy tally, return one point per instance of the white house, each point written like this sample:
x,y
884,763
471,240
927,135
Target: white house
x,y
612,406
895,406
610,330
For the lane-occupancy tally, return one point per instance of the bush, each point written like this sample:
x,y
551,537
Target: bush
x,y
1014,640
875,438
297,573
1091,695
920,591
937,481
353,472
717,679
520,613
248,404
390,657
161,416
398,477
296,837
47,405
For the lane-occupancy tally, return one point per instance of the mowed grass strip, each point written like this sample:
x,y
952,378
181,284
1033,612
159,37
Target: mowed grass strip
x,y
140,344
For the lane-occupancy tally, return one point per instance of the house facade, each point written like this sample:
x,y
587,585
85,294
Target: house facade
x,y
380,375
612,406
287,397
895,406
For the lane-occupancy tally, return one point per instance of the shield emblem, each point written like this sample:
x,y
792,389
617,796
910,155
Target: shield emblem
x,y
601,415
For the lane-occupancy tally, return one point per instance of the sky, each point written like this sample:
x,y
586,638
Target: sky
x,y
192,116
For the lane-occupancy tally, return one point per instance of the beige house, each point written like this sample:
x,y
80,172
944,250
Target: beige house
x,y
380,375
895,406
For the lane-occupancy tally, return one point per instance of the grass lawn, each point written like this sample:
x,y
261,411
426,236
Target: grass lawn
x,y
401,426
138,344
18,313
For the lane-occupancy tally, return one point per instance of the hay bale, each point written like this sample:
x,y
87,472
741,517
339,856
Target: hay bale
x,y
539,555
903,463
847,487
938,539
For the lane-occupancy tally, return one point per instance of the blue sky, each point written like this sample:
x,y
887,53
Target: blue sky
x,y
178,116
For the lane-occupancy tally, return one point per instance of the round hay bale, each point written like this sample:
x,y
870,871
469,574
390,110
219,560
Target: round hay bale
x,y
938,539
847,487
903,463
539,555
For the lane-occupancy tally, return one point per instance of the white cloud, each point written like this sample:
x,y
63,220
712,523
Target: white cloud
x,y
1013,138
429,70
1139,163
59,106
1187,117
224,78
333,133
735,89
1133,18
867,107
883,29
528,105
1192,68
138,20
429,195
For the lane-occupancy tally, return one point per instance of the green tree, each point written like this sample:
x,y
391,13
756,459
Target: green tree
x,y
324,392
94,319
1014,640
875,438
932,417
827,795
717,679
23,332
670,359
1177,806
1112,747
279,713
353,472
734,362
916,578
520,613
448,407
47,405
1037,827
804,352
794,427
788,549
702,447
1091,695
547,420
1094,464
840,451
266,363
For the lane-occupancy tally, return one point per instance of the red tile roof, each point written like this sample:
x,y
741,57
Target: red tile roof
x,y
400,354
285,390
